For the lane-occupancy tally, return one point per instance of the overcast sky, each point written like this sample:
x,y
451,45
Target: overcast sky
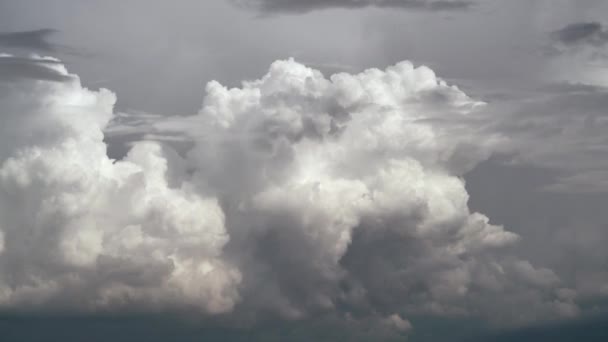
x,y
421,170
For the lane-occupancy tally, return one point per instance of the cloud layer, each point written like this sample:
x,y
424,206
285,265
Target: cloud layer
x,y
295,6
301,194
35,39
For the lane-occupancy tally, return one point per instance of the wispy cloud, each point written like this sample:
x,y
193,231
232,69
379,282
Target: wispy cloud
x,y
48,69
298,6
33,40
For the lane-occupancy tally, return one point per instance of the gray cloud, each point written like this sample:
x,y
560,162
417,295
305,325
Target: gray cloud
x,y
585,42
33,40
582,33
13,68
296,6
560,127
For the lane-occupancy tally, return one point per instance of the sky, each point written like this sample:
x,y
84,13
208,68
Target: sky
x,y
303,170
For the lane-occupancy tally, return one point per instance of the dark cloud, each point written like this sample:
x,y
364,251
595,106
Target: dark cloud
x,y
297,6
581,33
162,328
589,330
183,328
586,39
34,40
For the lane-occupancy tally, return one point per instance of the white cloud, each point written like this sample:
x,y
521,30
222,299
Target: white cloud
x,y
354,182
398,323
302,194
90,232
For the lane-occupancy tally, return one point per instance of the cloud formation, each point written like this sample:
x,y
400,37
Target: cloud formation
x,y
32,40
581,33
296,6
301,194
558,127
35,67
579,46
84,232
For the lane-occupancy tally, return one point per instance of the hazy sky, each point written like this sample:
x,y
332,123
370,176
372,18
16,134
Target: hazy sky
x,y
421,170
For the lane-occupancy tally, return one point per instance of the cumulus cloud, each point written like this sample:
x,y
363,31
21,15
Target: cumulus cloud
x,y
295,6
82,231
558,127
300,194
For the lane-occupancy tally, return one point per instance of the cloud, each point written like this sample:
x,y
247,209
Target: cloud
x,y
559,127
295,6
581,33
580,45
82,232
299,195
346,193
38,68
31,40
398,323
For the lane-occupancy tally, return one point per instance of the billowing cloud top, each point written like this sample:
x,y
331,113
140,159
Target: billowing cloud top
x,y
81,231
302,194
